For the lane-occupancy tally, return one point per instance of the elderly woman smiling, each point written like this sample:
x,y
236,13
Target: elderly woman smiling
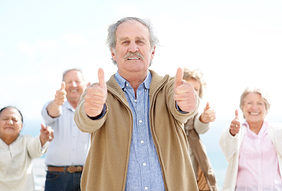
x,y
253,149
17,151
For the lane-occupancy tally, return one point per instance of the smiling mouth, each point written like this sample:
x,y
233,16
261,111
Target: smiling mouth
x,y
254,113
73,91
133,59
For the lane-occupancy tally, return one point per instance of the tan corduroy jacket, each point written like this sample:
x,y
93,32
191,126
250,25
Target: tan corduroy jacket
x,y
107,161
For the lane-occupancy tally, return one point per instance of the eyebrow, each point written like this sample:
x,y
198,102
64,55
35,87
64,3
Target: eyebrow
x,y
126,38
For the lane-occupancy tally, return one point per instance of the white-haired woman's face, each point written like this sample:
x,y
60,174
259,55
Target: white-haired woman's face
x,y
254,108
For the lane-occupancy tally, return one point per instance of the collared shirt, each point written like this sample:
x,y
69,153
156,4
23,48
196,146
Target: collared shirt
x,y
70,146
144,170
258,162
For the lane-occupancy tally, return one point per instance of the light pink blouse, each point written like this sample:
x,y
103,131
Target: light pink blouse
x,y
258,162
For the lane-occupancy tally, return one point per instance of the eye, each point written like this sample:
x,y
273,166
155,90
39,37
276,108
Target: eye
x,y
125,42
140,41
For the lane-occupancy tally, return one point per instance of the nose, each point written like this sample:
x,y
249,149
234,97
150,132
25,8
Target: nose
x,y
133,47
10,121
74,84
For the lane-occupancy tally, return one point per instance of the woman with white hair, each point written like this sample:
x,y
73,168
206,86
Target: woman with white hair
x,y
253,148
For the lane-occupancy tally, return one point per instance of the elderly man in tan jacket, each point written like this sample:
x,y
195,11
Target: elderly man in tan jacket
x,y
136,119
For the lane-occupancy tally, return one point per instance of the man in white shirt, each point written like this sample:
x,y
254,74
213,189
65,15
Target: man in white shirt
x,y
67,152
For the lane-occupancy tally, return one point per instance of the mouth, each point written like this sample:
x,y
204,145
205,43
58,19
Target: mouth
x,y
73,91
255,114
134,58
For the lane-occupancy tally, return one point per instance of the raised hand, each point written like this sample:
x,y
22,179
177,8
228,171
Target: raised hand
x,y
60,96
208,115
235,124
96,96
184,94
46,134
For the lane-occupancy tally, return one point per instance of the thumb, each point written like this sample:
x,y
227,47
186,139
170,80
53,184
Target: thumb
x,y
43,126
101,78
207,106
63,85
178,77
236,114
88,84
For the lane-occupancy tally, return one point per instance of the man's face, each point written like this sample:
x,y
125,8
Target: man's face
x,y
75,85
133,51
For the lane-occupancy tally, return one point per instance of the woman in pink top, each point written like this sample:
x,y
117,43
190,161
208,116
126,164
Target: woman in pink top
x,y
253,148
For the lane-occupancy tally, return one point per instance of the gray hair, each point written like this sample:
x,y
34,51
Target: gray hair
x,y
195,74
72,69
111,39
256,90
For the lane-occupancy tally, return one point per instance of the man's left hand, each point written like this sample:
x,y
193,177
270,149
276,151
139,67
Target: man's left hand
x,y
184,93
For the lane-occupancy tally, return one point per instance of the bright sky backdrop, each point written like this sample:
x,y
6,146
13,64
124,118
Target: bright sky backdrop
x,y
235,43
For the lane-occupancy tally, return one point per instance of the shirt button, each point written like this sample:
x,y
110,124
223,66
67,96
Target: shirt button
x,y
142,142
126,84
146,188
135,100
145,89
144,164
140,121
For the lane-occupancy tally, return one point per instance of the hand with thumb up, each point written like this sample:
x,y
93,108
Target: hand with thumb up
x,y
60,96
96,96
208,115
235,124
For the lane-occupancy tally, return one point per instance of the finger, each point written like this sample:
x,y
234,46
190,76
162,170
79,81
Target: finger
x,y
43,127
88,84
63,85
236,114
207,106
178,77
101,78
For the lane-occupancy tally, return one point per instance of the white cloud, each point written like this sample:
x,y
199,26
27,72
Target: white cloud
x,y
74,39
26,47
46,44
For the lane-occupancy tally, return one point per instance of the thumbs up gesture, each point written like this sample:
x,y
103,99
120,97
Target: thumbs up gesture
x,y
60,96
46,134
235,124
96,96
184,94
208,115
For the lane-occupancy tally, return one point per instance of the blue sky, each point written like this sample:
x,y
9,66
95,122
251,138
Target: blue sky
x,y
235,43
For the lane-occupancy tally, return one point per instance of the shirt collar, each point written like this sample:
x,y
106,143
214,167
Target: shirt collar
x,y
262,131
122,82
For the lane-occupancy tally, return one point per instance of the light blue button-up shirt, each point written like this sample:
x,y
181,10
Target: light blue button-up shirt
x,y
144,170
70,146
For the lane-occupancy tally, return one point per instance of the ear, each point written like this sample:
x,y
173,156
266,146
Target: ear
x,y
153,52
113,53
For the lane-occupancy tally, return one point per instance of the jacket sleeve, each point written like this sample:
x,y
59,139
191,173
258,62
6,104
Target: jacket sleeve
x,y
180,116
83,122
229,144
200,127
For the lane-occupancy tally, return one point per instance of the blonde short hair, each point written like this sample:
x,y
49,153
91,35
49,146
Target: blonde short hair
x,y
195,74
256,90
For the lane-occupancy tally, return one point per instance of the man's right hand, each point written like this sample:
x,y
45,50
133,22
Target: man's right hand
x,y
61,95
235,125
96,96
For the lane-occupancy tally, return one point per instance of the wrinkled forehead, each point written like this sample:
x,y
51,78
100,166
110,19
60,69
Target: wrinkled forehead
x,y
73,75
10,112
132,28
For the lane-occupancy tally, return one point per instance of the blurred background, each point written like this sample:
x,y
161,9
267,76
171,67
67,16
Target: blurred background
x,y
235,43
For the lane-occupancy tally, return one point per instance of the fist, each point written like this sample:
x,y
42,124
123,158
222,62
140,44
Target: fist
x,y
184,94
60,96
96,96
235,125
208,114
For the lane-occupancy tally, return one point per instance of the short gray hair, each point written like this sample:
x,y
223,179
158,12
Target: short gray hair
x,y
256,90
72,69
111,39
